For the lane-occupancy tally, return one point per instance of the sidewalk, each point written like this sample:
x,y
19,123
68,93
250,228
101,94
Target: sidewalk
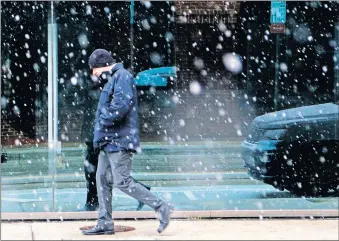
x,y
188,229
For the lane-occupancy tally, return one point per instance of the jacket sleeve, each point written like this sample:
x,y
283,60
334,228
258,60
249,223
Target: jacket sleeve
x,y
117,109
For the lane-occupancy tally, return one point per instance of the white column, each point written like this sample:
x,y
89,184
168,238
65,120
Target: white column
x,y
52,98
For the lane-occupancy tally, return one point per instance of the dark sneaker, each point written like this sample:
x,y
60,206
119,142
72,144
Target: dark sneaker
x,y
98,230
90,207
165,212
141,204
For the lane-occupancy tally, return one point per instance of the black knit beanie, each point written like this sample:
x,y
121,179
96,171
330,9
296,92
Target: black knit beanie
x,y
100,58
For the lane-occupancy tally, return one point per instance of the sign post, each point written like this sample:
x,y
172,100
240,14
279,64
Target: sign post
x,y
336,76
277,19
131,22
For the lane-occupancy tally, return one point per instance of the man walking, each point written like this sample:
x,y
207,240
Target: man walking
x,y
116,134
92,154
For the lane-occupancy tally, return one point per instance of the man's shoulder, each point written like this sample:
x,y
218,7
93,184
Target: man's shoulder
x,y
123,76
124,72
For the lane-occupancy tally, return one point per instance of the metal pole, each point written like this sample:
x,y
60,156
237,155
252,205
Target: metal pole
x,y
248,84
276,74
336,64
52,99
132,34
336,76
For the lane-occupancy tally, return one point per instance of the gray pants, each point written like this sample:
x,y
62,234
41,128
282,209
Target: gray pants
x,y
115,168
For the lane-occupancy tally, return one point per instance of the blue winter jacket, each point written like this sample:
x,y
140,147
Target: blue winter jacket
x,y
116,124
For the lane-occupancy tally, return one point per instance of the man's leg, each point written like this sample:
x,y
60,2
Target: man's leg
x,y
121,163
104,187
143,184
90,167
104,179
141,204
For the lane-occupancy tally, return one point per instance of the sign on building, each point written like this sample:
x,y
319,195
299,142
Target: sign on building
x,y
211,12
277,28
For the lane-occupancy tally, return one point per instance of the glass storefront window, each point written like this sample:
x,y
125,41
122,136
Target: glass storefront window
x,y
210,137
25,176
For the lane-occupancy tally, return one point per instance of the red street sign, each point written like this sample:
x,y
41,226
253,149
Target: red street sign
x,y
277,28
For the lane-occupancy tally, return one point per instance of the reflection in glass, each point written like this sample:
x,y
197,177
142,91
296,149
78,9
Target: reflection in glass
x,y
210,137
